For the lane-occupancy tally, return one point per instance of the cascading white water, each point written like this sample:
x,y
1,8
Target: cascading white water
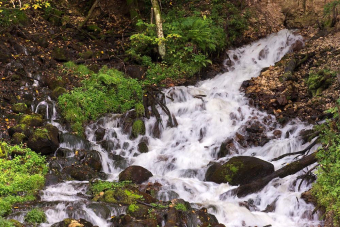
x,y
207,114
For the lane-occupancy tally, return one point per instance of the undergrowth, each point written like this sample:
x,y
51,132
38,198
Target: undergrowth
x,y
327,187
106,91
20,177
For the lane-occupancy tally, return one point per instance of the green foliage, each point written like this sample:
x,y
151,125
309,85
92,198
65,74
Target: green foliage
x,y
108,90
35,216
139,108
133,208
5,223
9,17
320,80
23,174
327,187
330,6
181,207
99,186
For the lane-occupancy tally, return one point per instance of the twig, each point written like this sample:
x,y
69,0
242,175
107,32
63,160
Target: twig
x,y
298,152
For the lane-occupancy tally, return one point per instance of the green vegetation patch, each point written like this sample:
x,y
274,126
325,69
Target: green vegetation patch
x,y
35,216
106,91
21,175
327,186
100,186
320,80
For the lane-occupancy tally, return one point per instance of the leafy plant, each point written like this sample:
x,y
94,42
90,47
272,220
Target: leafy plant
x,y
99,186
35,216
181,207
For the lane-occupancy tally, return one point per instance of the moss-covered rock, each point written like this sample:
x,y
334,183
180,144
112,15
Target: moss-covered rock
x,y
58,92
143,147
239,170
138,211
320,80
44,140
20,128
86,55
121,195
138,128
18,138
20,108
136,174
33,120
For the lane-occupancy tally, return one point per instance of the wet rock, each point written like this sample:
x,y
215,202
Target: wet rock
x,y
227,148
75,141
44,140
69,222
277,134
172,217
127,120
136,174
20,108
122,220
107,145
80,172
34,120
99,133
239,170
156,130
64,152
92,159
142,147
308,135
119,161
100,210
249,205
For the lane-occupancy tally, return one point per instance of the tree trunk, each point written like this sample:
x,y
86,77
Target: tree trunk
x,y
133,8
89,14
290,169
159,25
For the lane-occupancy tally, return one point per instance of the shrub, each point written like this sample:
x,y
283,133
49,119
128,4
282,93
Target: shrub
x,y
106,91
35,216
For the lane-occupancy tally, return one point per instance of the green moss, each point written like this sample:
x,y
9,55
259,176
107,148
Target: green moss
x,y
35,216
19,108
86,55
318,81
58,92
133,208
16,223
32,120
6,223
20,175
40,133
139,108
121,196
107,91
138,128
181,207
18,138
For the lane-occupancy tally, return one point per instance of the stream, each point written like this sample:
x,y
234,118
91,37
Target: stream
x,y
207,114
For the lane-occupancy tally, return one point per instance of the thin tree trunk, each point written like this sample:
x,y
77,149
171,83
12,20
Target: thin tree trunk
x,y
159,25
89,14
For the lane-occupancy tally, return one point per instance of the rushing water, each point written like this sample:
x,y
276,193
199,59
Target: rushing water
x,y
207,114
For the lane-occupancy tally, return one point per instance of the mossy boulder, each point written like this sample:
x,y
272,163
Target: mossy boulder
x,y
138,211
44,140
69,222
318,81
91,158
80,172
20,108
3,150
143,147
123,195
16,223
20,128
239,170
136,174
100,210
18,138
138,128
33,120
58,92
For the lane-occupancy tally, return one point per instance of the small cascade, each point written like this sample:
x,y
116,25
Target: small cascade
x,y
208,114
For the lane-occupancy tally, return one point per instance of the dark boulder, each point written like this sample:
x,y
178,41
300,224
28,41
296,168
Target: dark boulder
x,y
44,140
136,174
239,170
100,133
80,172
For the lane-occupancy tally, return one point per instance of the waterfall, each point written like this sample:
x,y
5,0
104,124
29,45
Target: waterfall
x,y
207,114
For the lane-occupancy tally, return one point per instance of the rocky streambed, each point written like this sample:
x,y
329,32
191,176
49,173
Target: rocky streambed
x,y
184,175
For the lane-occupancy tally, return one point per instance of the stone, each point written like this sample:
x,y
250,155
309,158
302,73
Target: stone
x,y
239,170
99,133
58,91
33,120
19,108
142,147
136,174
44,140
